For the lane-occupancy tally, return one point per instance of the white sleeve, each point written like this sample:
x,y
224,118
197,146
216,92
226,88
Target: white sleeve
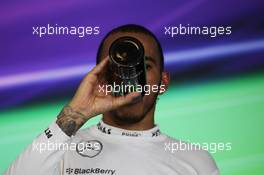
x,y
43,156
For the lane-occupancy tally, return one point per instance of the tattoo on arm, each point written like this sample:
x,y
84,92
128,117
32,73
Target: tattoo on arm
x,y
70,121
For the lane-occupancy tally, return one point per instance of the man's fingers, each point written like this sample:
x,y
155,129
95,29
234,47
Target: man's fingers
x,y
99,68
127,99
92,76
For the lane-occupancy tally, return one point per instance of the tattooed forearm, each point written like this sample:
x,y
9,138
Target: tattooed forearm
x,y
70,121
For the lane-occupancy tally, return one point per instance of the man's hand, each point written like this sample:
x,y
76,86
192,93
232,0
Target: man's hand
x,y
90,101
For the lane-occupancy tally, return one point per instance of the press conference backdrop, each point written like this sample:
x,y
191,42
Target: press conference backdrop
x,y
217,89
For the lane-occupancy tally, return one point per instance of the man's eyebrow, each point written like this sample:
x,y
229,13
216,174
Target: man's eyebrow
x,y
149,58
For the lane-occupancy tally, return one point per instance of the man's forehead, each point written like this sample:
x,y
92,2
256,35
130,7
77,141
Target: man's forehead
x,y
150,46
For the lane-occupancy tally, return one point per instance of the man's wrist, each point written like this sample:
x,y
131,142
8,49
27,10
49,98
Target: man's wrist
x,y
70,121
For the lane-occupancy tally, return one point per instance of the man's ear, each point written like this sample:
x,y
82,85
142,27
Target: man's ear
x,y
165,81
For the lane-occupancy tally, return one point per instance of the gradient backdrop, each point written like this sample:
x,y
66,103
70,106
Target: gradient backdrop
x,y
217,90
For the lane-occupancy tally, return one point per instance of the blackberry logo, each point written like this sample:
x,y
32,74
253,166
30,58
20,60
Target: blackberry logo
x,y
83,171
69,170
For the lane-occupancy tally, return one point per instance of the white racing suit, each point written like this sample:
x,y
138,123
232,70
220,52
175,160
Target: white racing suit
x,y
106,150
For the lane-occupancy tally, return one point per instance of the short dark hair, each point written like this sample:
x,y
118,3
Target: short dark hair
x,y
134,29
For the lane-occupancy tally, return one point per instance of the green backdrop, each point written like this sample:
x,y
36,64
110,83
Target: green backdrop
x,y
230,110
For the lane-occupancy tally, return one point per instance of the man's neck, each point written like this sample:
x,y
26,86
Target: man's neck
x,y
146,123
